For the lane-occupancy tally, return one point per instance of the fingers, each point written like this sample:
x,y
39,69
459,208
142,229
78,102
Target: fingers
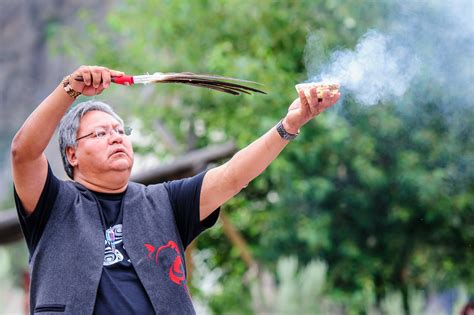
x,y
83,72
314,106
79,85
106,78
94,79
305,108
99,90
116,73
310,103
321,98
96,74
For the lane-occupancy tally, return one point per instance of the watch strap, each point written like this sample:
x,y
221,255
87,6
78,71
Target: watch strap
x,y
68,88
285,134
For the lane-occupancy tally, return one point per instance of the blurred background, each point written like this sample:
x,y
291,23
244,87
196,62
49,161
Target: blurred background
x,y
369,211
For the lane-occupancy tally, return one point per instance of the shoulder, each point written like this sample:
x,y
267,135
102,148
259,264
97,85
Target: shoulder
x,y
69,190
188,183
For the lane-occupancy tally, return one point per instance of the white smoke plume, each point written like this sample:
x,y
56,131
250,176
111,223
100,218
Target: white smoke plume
x,y
427,46
374,72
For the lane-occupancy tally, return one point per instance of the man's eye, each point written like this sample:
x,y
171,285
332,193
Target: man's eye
x,y
100,133
120,131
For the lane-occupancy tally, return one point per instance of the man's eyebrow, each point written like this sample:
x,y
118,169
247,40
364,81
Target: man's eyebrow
x,y
107,125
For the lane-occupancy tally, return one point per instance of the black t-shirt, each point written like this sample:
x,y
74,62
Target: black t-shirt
x,y
120,289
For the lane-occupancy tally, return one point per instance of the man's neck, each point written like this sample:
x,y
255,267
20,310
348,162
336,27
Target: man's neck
x,y
103,185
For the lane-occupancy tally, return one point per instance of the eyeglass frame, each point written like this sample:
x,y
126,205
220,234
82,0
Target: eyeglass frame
x,y
127,131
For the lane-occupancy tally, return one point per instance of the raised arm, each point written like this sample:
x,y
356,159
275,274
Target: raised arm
x,y
223,182
29,163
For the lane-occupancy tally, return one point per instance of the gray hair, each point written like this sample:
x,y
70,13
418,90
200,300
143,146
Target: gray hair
x,y
70,124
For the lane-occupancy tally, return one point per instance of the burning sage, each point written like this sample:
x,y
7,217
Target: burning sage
x,y
321,87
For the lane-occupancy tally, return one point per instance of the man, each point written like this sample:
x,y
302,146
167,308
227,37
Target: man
x,y
145,229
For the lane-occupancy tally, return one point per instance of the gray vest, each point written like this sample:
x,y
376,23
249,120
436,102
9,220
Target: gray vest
x,y
66,266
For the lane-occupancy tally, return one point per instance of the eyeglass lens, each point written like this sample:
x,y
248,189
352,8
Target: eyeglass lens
x,y
101,132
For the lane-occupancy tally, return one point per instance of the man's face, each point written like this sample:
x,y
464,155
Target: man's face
x,y
95,157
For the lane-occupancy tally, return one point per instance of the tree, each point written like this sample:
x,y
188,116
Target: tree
x,y
381,195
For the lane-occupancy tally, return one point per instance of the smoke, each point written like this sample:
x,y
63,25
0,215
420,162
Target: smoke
x,y
426,50
375,71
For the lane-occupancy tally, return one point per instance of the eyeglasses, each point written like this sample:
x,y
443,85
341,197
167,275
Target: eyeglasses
x,y
101,133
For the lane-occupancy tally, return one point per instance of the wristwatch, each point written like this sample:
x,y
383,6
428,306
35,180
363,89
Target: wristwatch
x,y
68,88
285,134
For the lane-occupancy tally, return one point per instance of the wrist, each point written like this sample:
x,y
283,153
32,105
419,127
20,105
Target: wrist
x,y
284,133
290,128
68,88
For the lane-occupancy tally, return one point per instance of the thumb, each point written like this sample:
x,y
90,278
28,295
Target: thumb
x,y
295,105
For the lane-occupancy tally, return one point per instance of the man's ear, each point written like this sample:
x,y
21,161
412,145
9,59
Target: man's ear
x,y
71,156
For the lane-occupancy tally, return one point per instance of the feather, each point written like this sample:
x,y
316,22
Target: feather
x,y
219,83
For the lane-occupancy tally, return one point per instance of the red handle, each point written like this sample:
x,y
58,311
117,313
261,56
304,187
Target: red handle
x,y
124,80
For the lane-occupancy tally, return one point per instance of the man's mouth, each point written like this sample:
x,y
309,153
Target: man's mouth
x,y
118,151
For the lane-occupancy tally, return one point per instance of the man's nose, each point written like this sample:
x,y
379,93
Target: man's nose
x,y
115,137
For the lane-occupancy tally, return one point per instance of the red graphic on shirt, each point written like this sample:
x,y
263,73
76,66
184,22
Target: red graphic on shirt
x,y
176,272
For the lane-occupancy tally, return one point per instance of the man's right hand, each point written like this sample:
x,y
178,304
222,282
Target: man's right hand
x,y
94,79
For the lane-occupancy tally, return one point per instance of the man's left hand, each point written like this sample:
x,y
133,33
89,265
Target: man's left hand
x,y
303,109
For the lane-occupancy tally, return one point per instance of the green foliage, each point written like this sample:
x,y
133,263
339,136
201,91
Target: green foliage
x,y
216,286
300,292
384,196
13,264
390,207
300,289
